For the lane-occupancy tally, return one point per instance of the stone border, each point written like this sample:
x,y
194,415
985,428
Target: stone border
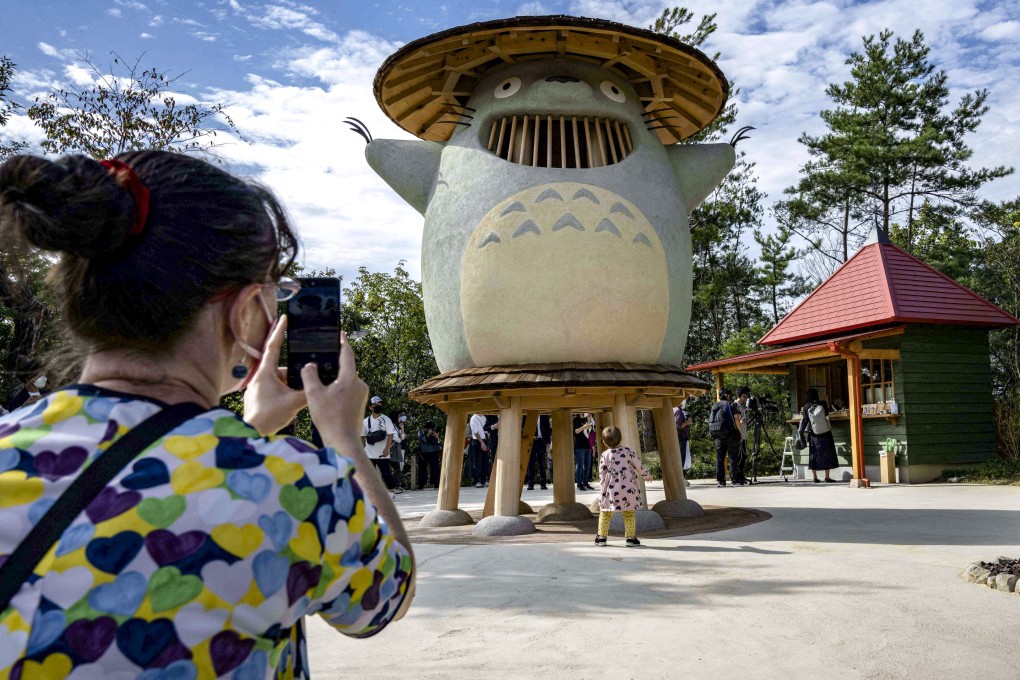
x,y
716,518
1003,583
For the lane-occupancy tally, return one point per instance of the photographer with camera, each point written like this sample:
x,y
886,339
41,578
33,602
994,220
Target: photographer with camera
x,y
431,449
724,430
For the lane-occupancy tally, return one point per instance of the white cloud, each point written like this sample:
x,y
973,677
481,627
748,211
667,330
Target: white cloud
x,y
346,215
114,12
156,21
131,4
146,36
48,50
279,17
207,37
532,9
1006,30
242,57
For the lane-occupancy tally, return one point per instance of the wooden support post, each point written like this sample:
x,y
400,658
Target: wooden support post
x,y
853,367
718,386
563,457
625,419
670,454
453,461
507,468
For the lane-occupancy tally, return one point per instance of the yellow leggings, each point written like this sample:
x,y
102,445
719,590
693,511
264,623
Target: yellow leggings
x,y
629,523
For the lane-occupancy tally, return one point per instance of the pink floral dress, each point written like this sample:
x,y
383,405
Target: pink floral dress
x,y
618,470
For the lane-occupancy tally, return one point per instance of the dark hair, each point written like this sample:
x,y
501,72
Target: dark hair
x,y
725,394
811,396
207,233
742,390
430,425
612,436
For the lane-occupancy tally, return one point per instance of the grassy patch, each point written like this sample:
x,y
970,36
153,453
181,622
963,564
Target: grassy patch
x,y
998,471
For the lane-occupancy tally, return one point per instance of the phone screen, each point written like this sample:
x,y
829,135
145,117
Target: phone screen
x,y
313,329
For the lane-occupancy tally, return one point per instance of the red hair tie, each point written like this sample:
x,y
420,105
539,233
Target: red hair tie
x,y
127,179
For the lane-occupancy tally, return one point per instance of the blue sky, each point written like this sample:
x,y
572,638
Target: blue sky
x,y
291,71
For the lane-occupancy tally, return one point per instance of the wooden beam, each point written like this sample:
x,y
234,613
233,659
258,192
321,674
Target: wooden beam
x,y
527,437
891,354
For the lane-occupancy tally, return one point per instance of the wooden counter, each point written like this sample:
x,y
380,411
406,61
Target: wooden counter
x,y
892,418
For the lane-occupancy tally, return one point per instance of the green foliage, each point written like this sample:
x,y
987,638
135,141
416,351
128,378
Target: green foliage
x,y
7,107
128,109
998,471
781,286
892,143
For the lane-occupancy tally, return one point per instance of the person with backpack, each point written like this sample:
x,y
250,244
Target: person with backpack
x,y
722,427
816,430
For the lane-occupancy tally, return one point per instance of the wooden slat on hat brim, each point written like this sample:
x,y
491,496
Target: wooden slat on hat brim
x,y
439,72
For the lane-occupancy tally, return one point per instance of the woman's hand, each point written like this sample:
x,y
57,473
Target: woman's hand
x,y
269,405
337,408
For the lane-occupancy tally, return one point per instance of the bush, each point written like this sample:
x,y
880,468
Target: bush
x,y
998,471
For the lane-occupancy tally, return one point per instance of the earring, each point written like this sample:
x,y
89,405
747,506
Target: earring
x,y
239,371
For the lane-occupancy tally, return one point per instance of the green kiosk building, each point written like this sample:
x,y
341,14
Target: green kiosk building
x,y
900,352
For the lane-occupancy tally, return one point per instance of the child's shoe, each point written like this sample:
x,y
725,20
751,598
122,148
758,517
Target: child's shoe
x,y
601,540
632,542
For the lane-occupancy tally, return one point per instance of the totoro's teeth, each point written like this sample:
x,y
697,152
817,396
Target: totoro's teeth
x,y
565,142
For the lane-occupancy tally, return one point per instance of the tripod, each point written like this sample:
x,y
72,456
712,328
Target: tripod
x,y
755,420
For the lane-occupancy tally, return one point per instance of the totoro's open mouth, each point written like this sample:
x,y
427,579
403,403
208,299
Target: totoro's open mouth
x,y
568,142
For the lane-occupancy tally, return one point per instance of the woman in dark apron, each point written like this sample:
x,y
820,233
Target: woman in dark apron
x,y
816,431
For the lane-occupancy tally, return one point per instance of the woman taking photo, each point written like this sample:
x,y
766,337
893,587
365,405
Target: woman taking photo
x,y
193,541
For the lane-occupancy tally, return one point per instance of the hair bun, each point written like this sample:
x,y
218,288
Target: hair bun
x,y
72,205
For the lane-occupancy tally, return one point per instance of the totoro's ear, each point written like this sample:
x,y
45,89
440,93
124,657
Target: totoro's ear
x,y
408,166
699,168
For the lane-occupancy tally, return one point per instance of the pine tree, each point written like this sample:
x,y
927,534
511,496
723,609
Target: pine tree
x,y
779,283
892,143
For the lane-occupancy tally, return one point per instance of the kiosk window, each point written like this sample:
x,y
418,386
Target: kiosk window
x,y
877,385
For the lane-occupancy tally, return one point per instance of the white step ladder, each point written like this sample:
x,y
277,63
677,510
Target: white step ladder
x,y
783,467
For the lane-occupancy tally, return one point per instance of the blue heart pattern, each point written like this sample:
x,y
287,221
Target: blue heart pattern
x,y
278,528
113,554
147,473
270,571
122,597
251,486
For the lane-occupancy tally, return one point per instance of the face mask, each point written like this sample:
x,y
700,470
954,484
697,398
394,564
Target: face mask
x,y
377,408
40,382
251,351
403,419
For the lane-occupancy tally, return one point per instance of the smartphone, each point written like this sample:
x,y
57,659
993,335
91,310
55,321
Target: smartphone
x,y
313,329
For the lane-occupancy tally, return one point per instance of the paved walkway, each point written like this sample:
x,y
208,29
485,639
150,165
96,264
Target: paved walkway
x,y
840,583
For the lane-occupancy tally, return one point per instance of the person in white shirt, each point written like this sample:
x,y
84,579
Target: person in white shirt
x,y
378,450
478,451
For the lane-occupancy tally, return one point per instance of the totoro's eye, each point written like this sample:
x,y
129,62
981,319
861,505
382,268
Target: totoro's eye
x,y
507,88
612,91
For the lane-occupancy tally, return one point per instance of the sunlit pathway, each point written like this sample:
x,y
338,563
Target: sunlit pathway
x,y
840,583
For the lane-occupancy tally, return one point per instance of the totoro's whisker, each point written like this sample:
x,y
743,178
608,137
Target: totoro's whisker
x,y
660,127
455,112
654,111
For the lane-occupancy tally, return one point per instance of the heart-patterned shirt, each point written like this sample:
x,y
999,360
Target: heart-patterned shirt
x,y
618,473
198,560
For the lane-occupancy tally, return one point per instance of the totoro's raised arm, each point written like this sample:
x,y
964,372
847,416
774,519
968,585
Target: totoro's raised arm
x,y
408,166
699,168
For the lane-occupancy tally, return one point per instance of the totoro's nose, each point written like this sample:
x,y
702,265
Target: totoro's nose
x,y
562,79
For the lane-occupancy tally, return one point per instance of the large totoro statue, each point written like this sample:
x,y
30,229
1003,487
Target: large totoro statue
x,y
555,196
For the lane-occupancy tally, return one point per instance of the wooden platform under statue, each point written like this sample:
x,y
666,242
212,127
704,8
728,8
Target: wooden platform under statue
x,y
612,392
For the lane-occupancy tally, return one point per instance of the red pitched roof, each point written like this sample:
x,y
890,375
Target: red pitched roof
x,y
882,284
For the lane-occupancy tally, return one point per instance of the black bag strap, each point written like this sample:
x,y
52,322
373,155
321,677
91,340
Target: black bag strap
x,y
26,557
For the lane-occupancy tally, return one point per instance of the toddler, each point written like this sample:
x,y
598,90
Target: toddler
x,y
619,468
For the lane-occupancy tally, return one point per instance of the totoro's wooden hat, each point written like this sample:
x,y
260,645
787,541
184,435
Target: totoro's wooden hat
x,y
423,83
